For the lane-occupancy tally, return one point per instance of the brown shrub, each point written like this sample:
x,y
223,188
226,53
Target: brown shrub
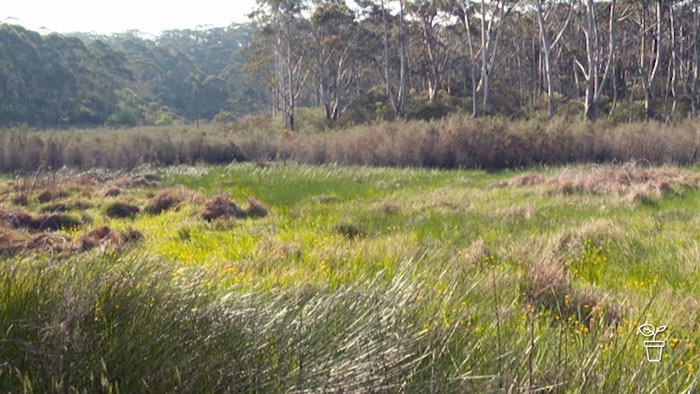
x,y
53,222
632,181
96,237
165,200
20,199
136,181
220,206
527,179
11,242
113,191
546,285
48,242
14,218
131,235
388,207
121,210
256,209
104,235
81,205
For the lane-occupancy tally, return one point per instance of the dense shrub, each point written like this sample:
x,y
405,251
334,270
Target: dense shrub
x,y
455,141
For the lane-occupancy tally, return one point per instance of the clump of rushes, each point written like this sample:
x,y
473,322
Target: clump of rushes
x,y
52,222
122,210
221,206
224,207
105,235
256,209
165,200
350,231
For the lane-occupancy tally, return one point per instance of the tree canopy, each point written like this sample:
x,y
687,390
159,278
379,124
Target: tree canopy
x,y
124,79
368,60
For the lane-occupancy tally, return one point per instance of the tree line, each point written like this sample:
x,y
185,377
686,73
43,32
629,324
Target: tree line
x,y
377,59
124,79
369,60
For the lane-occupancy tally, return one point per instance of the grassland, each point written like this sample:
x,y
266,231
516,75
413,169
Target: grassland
x,y
349,279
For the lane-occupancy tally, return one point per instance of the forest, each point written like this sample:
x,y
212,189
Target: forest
x,y
366,61
123,79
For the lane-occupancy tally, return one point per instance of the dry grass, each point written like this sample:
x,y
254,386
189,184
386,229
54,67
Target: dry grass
x,y
51,222
548,286
221,206
457,141
135,181
121,210
168,199
104,236
256,209
631,181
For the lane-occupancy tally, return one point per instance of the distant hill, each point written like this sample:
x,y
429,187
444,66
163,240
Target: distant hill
x,y
125,79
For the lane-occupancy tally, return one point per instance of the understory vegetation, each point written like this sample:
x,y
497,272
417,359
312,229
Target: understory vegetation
x,y
282,277
458,141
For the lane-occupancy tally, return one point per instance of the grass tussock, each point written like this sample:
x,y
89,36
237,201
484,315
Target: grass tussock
x,y
122,210
632,181
222,207
350,231
169,199
256,209
51,222
547,286
105,236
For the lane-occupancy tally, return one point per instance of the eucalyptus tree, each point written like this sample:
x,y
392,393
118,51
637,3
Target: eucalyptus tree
x,y
397,96
599,52
694,64
551,32
285,30
650,36
490,16
431,20
334,32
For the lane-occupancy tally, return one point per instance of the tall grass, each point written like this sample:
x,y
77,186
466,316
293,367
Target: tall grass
x,y
455,142
452,281
127,325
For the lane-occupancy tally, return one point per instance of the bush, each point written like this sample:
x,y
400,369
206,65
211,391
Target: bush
x,y
165,200
121,210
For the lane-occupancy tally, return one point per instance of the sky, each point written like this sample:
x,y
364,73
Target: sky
x,y
106,17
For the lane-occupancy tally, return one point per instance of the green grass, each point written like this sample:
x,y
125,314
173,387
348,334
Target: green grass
x,y
365,279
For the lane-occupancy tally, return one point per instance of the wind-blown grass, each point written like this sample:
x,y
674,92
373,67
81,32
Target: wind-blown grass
x,y
455,281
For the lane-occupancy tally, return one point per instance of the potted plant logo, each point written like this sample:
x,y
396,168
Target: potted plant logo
x,y
653,348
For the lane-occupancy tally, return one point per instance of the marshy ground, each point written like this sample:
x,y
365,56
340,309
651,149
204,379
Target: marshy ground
x,y
285,277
